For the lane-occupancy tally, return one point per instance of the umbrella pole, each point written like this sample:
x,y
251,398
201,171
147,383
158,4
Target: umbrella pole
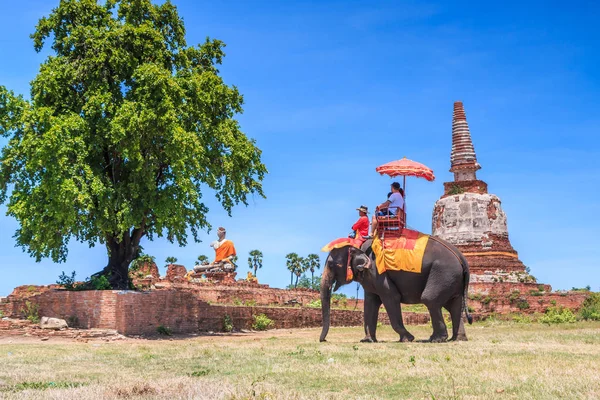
x,y
405,217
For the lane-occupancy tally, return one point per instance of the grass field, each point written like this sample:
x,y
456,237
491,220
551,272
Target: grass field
x,y
502,360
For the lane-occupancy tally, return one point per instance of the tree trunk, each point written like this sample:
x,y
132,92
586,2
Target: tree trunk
x,y
292,279
120,255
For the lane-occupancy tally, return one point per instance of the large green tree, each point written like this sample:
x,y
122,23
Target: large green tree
x,y
126,126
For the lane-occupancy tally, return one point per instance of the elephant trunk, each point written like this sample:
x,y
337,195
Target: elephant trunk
x,y
326,283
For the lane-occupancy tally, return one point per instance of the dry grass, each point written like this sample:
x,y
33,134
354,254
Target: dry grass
x,y
501,360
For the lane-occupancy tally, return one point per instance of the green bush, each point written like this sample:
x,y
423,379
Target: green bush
x,y
66,281
262,323
522,304
164,330
590,311
32,312
100,283
522,319
227,323
314,304
557,315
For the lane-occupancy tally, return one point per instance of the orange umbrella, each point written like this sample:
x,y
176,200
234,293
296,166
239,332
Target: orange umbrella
x,y
404,168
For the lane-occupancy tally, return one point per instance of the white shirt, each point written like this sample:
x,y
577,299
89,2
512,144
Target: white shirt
x,y
396,202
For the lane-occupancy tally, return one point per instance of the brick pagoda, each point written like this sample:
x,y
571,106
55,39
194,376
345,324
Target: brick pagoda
x,y
471,218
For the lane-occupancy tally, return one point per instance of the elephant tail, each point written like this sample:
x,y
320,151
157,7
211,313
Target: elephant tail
x,y
466,277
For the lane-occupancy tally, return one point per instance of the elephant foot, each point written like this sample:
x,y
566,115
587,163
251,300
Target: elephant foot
x,y
407,337
438,339
368,340
459,338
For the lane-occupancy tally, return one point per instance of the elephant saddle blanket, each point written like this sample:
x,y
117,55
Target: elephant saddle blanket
x,y
403,253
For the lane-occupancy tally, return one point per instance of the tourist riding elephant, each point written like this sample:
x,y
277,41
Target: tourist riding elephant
x,y
442,282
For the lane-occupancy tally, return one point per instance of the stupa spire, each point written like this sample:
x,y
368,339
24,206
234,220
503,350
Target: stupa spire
x,y
463,161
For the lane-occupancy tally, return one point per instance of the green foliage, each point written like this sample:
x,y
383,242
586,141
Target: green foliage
x,y
237,302
164,330
294,265
557,315
170,260
522,304
522,318
250,303
262,323
100,282
66,281
455,189
314,262
305,282
590,310
514,296
202,259
1,314
227,323
314,304
125,127
141,260
32,312
255,260
487,300
585,289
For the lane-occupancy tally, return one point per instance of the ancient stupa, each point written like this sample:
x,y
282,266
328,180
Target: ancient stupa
x,y
471,218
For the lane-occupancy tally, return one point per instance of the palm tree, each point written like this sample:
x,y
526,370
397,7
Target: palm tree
x,y
313,263
301,268
255,260
292,264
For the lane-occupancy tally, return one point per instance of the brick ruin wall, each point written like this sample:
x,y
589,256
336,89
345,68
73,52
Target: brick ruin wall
x,y
140,313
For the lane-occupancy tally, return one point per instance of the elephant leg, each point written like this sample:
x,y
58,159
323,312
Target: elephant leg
x,y
394,311
440,332
372,304
455,308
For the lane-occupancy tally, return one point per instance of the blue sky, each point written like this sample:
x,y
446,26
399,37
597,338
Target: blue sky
x,y
335,88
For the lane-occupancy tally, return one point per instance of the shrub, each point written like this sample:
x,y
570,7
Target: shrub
x,y
487,300
590,309
522,304
227,323
262,323
66,281
164,330
1,314
237,302
32,312
100,282
522,319
557,315
314,304
250,303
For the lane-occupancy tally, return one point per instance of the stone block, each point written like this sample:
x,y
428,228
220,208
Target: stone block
x,y
53,323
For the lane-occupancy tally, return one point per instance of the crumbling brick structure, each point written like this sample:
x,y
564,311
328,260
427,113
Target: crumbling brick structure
x,y
473,220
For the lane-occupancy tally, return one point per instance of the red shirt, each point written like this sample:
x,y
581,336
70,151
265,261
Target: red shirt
x,y
362,226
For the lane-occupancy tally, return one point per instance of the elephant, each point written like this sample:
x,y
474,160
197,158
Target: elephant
x,y
443,282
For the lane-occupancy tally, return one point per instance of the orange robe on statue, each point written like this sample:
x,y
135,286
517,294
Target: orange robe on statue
x,y
225,250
